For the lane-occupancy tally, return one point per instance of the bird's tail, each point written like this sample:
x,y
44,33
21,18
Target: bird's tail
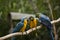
x,y
50,32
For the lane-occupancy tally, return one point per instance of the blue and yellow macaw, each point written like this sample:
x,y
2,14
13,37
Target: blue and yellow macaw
x,y
46,21
21,26
33,22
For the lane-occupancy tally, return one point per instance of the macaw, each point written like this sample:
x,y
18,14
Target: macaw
x,y
21,26
46,21
33,22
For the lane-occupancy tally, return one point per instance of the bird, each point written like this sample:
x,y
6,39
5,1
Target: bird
x,y
46,22
21,26
33,22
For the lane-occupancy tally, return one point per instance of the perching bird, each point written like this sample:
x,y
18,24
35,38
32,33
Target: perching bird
x,y
46,21
21,26
33,22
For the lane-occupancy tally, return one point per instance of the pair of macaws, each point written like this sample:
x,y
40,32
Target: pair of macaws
x,y
21,26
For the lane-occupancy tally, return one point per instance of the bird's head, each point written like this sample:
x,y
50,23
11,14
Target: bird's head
x,y
37,15
31,18
22,20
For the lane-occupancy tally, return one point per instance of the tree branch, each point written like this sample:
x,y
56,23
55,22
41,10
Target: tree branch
x,y
26,32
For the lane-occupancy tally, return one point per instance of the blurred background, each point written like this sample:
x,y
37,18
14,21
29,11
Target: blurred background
x,y
24,6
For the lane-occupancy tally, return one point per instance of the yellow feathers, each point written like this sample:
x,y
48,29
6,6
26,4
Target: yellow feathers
x,y
33,23
24,27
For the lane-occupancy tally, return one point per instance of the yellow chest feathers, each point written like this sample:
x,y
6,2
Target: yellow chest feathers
x,y
33,23
24,26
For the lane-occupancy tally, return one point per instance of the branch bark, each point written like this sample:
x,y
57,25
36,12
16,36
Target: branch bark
x,y
26,32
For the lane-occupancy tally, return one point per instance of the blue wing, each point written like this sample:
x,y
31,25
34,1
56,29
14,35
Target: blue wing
x,y
45,17
46,21
18,27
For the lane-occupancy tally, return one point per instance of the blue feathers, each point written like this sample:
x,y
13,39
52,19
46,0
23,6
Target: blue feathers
x,y
18,27
46,21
